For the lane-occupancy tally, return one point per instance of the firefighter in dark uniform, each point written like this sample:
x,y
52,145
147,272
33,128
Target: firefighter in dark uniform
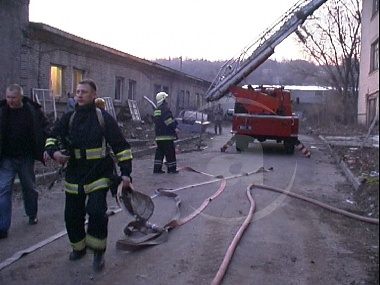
x,y
166,133
85,134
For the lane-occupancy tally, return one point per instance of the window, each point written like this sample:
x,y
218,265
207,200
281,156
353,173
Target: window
x,y
165,89
56,79
375,7
156,89
132,89
372,103
181,100
375,56
118,88
188,105
78,75
199,99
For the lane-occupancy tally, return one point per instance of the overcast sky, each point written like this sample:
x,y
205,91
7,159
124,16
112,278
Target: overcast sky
x,y
150,29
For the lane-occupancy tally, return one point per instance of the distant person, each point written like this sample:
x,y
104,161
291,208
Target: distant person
x,y
218,119
23,130
166,133
70,102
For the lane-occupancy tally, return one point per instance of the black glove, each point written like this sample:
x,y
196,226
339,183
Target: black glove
x,y
115,181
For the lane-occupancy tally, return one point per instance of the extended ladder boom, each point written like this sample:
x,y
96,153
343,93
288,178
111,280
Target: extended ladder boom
x,y
235,70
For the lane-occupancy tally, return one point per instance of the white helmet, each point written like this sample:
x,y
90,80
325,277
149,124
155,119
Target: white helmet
x,y
160,97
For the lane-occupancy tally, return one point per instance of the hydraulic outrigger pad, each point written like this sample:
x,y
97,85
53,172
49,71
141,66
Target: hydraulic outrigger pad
x,y
302,148
229,143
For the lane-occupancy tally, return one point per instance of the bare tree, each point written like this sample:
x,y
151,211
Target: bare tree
x,y
332,40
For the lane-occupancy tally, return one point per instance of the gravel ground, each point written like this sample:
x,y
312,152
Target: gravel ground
x,y
363,162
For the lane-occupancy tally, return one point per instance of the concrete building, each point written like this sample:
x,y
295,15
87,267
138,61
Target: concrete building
x,y
38,56
368,101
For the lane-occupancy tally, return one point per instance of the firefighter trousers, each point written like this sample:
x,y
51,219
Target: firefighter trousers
x,y
165,149
76,207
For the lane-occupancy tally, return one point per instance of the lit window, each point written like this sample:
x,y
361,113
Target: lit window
x,y
56,79
77,77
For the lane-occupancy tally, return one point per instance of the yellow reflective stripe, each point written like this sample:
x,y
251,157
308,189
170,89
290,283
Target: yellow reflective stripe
x,y
124,155
97,184
79,245
92,153
165,138
71,188
77,153
169,121
157,113
50,141
88,188
95,243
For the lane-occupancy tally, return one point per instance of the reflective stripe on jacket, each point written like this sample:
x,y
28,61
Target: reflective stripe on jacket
x,y
89,163
165,124
88,188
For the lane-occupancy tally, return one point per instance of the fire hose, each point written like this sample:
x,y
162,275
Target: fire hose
x,y
178,222
227,258
160,232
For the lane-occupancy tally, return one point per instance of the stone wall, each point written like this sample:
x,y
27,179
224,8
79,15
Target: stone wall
x,y
14,15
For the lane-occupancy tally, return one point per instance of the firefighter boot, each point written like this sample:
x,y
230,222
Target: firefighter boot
x,y
98,263
77,254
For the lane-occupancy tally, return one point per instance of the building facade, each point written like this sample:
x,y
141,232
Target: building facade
x,y
368,101
38,56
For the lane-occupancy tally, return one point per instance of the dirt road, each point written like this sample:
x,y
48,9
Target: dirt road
x,y
288,241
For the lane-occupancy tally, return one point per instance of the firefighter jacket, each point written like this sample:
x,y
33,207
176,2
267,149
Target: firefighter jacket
x,y
90,164
39,125
165,124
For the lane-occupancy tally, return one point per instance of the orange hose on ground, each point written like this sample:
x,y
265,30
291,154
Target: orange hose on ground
x,y
231,249
323,205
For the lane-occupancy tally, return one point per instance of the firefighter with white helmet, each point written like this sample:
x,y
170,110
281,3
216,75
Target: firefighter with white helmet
x,y
166,133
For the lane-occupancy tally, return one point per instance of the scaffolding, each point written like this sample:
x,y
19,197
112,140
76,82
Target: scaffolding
x,y
109,106
46,98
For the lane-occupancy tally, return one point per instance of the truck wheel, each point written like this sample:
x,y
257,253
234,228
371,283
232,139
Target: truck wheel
x,y
242,142
289,146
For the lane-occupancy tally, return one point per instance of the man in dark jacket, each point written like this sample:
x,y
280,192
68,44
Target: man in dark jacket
x,y
86,133
23,130
166,133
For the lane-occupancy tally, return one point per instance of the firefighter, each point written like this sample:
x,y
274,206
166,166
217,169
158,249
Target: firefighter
x,y
166,133
86,132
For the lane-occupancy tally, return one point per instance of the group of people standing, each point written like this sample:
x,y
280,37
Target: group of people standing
x,y
83,139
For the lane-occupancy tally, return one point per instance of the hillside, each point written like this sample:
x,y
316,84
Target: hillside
x,y
295,72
